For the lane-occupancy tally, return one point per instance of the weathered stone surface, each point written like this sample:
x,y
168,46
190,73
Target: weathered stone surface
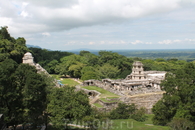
x,y
140,87
147,100
29,59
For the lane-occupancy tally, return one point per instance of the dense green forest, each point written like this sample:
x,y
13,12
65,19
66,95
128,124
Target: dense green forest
x,y
106,64
28,98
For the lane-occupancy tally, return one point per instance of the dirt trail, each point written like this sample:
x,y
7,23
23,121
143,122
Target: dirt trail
x,y
77,80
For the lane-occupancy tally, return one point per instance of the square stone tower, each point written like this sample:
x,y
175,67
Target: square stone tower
x,y
28,59
137,71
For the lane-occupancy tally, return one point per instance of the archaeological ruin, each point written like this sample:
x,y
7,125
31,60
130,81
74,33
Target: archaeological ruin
x,y
139,81
140,87
29,59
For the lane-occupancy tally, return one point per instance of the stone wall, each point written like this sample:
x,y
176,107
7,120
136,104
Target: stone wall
x,y
147,100
91,93
124,87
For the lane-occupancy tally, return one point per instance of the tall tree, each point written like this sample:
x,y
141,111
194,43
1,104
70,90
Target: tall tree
x,y
179,99
67,105
33,91
22,93
10,47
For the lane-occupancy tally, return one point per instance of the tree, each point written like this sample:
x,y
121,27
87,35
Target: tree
x,y
89,72
50,67
10,96
108,71
67,105
181,124
10,47
33,92
22,93
179,99
71,65
123,111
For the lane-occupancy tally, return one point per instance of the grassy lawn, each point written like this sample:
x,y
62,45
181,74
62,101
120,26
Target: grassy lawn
x,y
69,82
130,124
104,93
98,105
112,97
65,81
57,77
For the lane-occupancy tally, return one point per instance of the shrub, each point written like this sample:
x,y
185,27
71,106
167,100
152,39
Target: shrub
x,y
181,124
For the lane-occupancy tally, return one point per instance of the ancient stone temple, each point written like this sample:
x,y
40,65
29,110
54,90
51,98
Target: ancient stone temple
x,y
29,59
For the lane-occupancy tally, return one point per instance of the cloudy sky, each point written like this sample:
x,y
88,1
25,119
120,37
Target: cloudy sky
x,y
101,24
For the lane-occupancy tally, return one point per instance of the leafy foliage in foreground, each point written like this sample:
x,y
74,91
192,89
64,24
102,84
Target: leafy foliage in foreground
x,y
66,105
124,111
179,99
22,93
10,47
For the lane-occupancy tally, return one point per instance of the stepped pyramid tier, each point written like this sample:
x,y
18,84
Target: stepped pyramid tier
x,y
29,59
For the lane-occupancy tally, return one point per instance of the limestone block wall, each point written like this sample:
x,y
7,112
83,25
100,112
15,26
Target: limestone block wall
x,y
147,100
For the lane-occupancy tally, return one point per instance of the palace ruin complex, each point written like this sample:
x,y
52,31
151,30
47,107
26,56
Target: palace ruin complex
x,y
139,81
140,87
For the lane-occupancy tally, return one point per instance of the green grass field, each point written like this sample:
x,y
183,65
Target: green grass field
x,y
69,82
104,93
65,81
98,105
130,124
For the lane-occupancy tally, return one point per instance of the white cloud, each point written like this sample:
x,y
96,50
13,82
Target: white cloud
x,y
136,42
100,22
177,40
24,14
61,15
46,34
185,41
91,43
148,43
165,42
190,40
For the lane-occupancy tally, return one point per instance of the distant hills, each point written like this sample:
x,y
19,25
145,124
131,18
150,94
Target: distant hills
x,y
180,54
32,46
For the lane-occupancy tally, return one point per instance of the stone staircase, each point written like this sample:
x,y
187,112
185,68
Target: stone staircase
x,y
94,99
